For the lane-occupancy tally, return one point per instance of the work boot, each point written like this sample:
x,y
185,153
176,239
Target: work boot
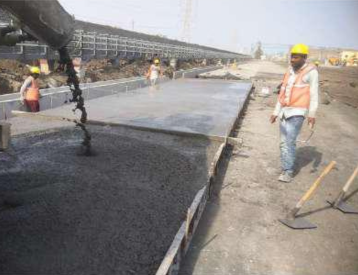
x,y
285,177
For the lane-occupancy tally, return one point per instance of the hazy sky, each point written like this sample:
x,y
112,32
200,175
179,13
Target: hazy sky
x,y
231,24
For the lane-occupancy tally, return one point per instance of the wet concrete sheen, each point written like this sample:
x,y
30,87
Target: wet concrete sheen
x,y
189,105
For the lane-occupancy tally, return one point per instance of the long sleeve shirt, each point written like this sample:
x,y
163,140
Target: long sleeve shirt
x,y
25,86
312,79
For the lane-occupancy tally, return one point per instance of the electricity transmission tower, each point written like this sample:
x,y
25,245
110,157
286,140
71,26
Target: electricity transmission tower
x,y
186,30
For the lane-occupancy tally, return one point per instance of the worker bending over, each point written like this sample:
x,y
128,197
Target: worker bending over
x,y
298,98
30,91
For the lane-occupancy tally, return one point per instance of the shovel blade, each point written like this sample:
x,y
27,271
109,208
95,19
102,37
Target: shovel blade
x,y
298,223
344,207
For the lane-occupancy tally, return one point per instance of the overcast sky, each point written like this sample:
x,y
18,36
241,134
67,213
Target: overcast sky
x,y
231,24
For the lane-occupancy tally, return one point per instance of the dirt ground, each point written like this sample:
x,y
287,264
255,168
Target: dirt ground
x,y
116,212
240,233
340,84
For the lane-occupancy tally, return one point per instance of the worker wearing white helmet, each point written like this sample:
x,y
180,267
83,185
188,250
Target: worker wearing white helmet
x,y
154,72
298,98
30,91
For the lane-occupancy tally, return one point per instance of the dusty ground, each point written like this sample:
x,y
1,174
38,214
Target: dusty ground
x,y
340,84
240,233
113,213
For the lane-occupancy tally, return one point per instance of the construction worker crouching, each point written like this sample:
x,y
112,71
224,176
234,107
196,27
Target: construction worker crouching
x,y
30,91
154,72
298,98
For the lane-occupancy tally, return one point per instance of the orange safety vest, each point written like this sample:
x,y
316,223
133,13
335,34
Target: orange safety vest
x,y
300,92
33,93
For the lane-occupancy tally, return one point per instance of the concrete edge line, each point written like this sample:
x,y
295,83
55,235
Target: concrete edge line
x,y
229,140
241,109
40,116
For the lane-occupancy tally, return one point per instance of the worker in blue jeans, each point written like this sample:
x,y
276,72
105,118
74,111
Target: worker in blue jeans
x,y
298,98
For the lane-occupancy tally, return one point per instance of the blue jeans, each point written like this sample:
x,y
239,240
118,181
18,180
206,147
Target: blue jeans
x,y
289,129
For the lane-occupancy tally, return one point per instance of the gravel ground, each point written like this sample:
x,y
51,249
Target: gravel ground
x,y
113,213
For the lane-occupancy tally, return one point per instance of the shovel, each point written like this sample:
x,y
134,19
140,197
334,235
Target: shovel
x,y
339,203
295,222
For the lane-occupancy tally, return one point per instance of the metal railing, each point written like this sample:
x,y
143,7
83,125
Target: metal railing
x,y
113,46
94,45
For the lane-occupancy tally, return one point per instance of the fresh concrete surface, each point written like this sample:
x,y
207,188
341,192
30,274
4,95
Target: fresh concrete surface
x,y
189,105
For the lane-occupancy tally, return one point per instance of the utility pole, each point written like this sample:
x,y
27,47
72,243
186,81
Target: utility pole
x,y
186,29
235,42
133,25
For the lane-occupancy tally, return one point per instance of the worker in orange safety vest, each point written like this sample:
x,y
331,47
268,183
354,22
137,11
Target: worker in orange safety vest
x,y
30,91
297,99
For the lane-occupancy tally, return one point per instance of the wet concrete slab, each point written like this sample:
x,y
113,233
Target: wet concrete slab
x,y
189,105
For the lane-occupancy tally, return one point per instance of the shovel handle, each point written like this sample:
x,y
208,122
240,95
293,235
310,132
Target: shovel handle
x,y
350,180
315,184
342,194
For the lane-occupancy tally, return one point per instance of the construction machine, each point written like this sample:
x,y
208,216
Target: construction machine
x,y
49,23
334,61
45,21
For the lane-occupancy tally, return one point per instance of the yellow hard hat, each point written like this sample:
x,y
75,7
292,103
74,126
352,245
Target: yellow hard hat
x,y
156,61
299,49
35,70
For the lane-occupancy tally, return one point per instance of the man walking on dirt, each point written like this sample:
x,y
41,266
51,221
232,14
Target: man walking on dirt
x,y
30,91
298,98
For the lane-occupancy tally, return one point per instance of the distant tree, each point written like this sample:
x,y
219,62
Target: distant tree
x,y
258,52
